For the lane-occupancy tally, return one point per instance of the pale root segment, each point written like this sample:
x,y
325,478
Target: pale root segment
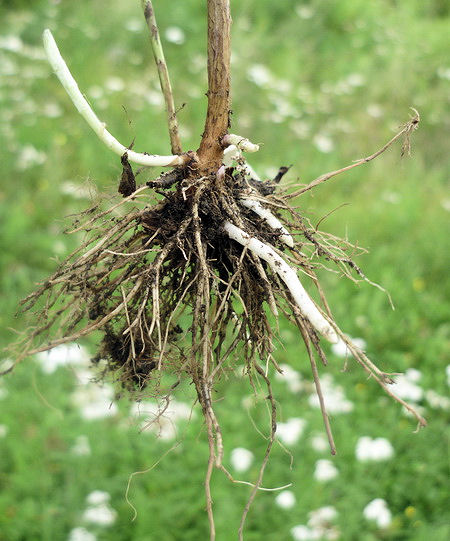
x,y
271,220
70,85
242,143
289,277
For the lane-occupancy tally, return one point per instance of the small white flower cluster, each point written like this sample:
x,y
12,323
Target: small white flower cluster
x,y
325,470
114,84
134,24
99,511
291,431
406,387
319,526
81,534
323,143
291,377
3,431
95,401
335,399
164,426
30,156
67,354
378,512
259,74
340,348
377,449
437,401
77,191
319,443
175,35
285,499
241,459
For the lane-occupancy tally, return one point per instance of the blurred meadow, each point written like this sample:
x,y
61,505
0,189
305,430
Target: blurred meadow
x,y
318,84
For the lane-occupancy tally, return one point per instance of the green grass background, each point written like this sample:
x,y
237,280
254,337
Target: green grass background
x,y
397,208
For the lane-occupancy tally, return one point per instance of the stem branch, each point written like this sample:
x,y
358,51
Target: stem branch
x,y
163,73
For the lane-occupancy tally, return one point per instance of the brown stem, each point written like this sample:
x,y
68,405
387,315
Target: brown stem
x,y
217,117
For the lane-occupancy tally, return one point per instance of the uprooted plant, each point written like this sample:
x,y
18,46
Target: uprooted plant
x,y
183,283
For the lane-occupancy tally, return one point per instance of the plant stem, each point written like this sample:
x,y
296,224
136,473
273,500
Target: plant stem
x,y
70,85
217,117
163,73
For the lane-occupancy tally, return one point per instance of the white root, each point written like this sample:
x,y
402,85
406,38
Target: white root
x,y
70,85
289,277
272,220
241,143
230,154
233,153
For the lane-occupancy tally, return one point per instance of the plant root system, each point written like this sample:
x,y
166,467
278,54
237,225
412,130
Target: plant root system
x,y
170,291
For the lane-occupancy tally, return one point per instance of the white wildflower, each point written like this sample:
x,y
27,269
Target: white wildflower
x,y
324,143
322,516
320,523
319,443
406,389
447,373
99,511
3,431
291,377
340,349
241,459
443,72
78,191
134,25
52,110
11,43
437,401
305,11
81,534
373,449
98,497
291,431
377,510
154,98
29,156
335,399
159,421
95,401
95,92
114,84
303,533
259,74
414,375
325,470
102,515
61,356
174,34
285,499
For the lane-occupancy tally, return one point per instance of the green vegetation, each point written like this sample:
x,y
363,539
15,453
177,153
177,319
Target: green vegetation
x,y
318,85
